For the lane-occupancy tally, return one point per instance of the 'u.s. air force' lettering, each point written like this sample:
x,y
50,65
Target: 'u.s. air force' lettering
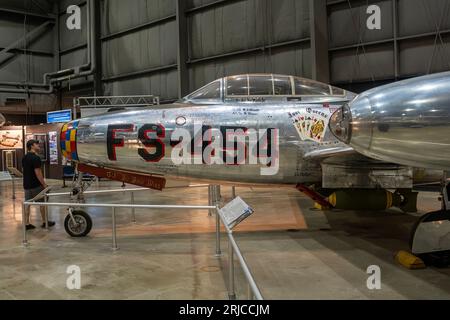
x,y
226,145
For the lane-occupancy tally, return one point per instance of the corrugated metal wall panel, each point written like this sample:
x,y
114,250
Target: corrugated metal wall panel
x,y
220,29
163,85
291,60
72,38
349,26
120,15
242,25
289,20
421,56
64,4
206,72
376,63
29,6
73,59
19,67
235,26
13,28
16,69
145,49
198,3
422,16
419,48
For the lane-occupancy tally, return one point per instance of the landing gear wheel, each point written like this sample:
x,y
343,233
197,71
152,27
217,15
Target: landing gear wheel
x,y
430,238
82,225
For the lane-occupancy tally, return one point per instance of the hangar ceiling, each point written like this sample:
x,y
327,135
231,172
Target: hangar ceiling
x,y
171,47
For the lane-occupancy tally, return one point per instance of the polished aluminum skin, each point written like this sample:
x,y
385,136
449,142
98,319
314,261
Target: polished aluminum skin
x,y
250,101
407,122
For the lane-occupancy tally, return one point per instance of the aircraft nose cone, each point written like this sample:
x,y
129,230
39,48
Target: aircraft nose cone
x,y
351,124
362,113
340,124
68,140
406,122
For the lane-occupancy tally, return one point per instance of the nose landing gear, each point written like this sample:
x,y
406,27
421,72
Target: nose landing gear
x,y
77,223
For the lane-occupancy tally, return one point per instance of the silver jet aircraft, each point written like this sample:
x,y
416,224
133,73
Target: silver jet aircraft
x,y
245,129
270,130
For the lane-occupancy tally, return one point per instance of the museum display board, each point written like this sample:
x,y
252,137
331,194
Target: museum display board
x,y
11,147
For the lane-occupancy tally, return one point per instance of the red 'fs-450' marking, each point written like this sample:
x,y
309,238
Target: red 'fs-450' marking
x,y
152,135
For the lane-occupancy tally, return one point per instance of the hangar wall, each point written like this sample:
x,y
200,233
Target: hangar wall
x,y
222,39
247,37
26,59
140,42
171,47
414,40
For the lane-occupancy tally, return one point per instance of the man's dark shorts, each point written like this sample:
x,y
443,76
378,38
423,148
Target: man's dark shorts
x,y
31,193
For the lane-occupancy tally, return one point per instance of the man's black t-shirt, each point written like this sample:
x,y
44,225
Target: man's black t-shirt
x,y
30,162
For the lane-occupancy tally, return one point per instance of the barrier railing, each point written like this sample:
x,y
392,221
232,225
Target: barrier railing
x,y
233,248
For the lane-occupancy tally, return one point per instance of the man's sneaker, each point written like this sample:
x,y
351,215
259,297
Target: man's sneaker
x,y
30,227
50,224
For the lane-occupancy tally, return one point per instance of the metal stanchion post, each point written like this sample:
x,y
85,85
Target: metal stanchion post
x,y
24,225
218,251
210,201
215,200
133,213
14,188
218,195
231,291
46,213
114,240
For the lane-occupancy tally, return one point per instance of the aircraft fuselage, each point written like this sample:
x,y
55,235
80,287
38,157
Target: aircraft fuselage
x,y
147,140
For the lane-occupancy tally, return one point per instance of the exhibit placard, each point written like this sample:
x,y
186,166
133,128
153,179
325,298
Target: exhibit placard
x,y
5,176
11,139
235,212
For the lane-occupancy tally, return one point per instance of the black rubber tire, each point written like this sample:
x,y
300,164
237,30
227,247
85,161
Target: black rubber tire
x,y
427,217
80,217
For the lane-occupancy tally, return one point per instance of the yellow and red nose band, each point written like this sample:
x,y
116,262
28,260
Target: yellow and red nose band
x,y
68,140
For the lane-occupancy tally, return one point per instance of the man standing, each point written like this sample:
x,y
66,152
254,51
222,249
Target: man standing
x,y
33,180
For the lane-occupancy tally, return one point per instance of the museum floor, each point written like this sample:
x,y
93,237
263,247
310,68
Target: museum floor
x,y
294,252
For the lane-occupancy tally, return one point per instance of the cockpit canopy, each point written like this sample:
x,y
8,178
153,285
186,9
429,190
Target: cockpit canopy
x,y
263,87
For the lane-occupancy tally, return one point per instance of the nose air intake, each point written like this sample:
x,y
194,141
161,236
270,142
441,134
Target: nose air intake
x,y
68,140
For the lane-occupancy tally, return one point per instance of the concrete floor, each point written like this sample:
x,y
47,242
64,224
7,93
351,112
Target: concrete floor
x,y
294,252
